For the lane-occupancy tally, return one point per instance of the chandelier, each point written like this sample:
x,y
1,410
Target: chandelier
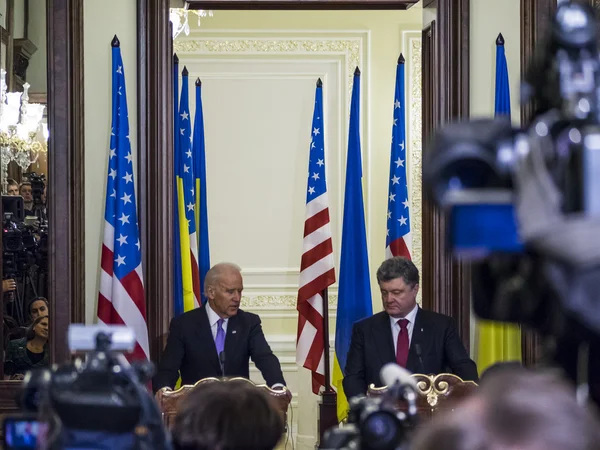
x,y
23,135
179,19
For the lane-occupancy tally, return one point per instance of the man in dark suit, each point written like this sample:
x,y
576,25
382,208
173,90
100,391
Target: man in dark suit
x,y
421,341
217,339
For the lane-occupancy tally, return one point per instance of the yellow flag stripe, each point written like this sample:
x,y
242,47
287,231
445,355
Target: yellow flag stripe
x,y
497,342
184,242
336,379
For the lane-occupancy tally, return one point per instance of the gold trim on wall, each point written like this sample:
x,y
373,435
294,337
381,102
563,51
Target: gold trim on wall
x,y
351,48
416,146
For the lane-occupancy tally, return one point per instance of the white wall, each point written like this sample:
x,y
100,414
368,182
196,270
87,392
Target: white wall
x,y
488,18
258,71
102,20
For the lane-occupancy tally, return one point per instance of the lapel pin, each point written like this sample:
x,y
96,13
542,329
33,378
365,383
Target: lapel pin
x,y
421,330
234,331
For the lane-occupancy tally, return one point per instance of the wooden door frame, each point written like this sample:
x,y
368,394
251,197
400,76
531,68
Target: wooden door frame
x,y
446,284
155,159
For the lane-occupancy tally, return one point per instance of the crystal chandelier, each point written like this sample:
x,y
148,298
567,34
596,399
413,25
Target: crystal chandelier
x,y
179,19
23,135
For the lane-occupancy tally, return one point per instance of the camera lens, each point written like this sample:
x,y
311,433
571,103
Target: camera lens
x,y
381,430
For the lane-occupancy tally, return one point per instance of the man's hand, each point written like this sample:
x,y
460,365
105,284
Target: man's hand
x,y
9,285
281,387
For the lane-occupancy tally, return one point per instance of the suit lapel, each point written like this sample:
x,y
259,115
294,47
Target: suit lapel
x,y
207,341
231,339
382,333
419,337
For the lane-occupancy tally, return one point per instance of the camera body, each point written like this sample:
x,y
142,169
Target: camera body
x,y
374,423
101,400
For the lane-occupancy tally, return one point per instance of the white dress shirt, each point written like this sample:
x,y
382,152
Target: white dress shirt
x,y
213,318
411,316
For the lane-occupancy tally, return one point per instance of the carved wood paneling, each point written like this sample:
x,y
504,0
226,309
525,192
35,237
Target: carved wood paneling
x,y
65,169
300,4
446,284
155,165
536,17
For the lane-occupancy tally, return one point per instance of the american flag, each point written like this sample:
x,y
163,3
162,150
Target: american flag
x,y
398,239
316,269
121,299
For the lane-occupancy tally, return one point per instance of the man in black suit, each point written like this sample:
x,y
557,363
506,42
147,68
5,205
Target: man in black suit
x,y
217,339
421,341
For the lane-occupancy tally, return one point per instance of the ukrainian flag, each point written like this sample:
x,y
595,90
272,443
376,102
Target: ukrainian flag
x,y
354,297
496,341
199,152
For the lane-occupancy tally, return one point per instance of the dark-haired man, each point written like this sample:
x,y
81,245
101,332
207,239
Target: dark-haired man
x,y
421,341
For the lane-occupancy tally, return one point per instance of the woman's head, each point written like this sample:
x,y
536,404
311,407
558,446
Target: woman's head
x,y
38,307
39,328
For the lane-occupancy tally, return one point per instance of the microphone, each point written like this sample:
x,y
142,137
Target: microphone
x,y
222,361
420,355
401,384
392,373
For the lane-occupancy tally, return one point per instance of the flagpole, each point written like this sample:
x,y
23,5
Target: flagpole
x,y
328,388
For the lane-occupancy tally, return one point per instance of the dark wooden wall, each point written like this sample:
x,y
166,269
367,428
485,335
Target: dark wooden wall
x,y
446,284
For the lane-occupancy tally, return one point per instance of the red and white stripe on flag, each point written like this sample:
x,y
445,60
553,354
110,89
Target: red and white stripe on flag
x,y
122,302
316,274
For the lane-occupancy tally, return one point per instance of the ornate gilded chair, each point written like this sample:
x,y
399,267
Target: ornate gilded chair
x,y
169,399
437,393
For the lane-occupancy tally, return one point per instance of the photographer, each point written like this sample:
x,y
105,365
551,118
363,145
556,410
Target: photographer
x,y
26,191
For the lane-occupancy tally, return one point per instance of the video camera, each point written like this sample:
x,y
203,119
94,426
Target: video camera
x,y
376,423
100,402
523,205
38,185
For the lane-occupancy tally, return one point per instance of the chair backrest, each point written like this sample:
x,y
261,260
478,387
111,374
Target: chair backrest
x,y
14,333
437,393
169,400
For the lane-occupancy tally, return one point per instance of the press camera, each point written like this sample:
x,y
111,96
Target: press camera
x,y
99,402
523,205
376,423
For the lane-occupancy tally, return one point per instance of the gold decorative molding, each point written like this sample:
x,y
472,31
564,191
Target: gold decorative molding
x,y
350,48
416,147
277,301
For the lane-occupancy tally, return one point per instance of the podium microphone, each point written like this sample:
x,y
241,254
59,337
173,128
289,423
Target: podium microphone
x,y
419,353
399,379
222,362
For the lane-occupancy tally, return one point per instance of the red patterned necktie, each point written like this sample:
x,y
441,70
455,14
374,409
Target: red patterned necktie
x,y
402,347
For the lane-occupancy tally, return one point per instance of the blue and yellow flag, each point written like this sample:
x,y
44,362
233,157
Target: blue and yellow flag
x,y
201,208
177,273
354,297
185,202
496,341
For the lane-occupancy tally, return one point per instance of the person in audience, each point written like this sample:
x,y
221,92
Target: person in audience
x,y
217,339
421,341
233,415
515,409
29,352
499,367
12,187
26,191
38,307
